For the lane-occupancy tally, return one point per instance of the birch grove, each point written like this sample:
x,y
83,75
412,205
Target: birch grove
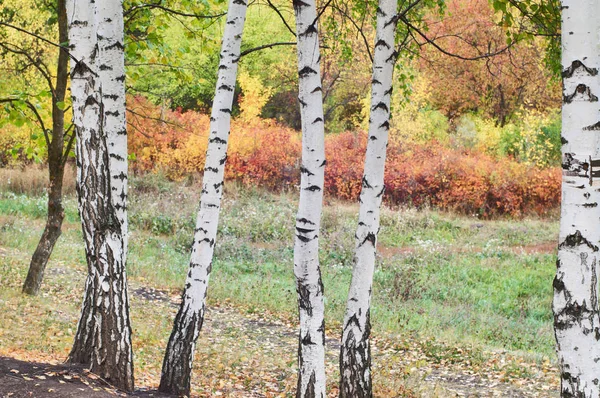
x,y
576,314
179,356
311,350
355,351
103,337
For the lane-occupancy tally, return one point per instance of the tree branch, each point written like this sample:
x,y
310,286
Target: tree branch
x,y
271,45
35,112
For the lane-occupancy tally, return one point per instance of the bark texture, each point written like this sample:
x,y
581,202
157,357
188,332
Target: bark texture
x,y
311,344
575,305
56,166
179,356
103,338
111,71
355,351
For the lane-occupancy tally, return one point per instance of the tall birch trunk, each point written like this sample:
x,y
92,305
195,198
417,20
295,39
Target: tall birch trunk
x,y
56,166
576,315
111,71
311,345
355,352
103,338
179,356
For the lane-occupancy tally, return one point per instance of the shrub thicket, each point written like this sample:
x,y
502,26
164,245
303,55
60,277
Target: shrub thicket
x,y
266,154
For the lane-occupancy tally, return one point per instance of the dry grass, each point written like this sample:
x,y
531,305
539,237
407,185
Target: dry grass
x,y
33,180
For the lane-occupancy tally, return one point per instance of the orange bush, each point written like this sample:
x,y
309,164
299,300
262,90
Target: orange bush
x,y
268,155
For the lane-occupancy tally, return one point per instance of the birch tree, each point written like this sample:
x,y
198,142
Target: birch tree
x,y
355,352
575,305
103,338
311,350
179,356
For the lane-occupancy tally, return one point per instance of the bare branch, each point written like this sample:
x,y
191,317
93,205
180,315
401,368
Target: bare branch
x,y
271,45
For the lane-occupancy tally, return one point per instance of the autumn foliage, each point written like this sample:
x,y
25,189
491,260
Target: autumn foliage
x,y
265,154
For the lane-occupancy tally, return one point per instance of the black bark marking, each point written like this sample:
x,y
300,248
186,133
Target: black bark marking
x,y
563,140
304,298
304,230
313,188
105,67
382,106
382,42
120,79
306,171
369,238
365,183
117,157
577,64
312,29
306,71
385,125
582,91
389,91
223,160
303,238
210,242
381,192
575,240
225,87
307,340
111,96
590,205
217,140
373,138
323,164
226,111
305,221
317,120
392,58
299,4
593,127
116,45
213,169
375,81
316,90
113,113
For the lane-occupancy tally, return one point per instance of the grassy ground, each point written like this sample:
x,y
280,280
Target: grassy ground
x,y
446,282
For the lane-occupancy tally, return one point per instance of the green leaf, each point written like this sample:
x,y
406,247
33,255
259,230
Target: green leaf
x,y
61,105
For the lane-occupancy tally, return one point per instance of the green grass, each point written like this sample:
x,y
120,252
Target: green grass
x,y
449,278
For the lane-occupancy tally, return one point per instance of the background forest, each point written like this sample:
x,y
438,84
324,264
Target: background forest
x,y
481,136
462,290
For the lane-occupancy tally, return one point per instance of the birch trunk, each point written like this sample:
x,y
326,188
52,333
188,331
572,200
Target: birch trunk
x,y
311,344
111,71
56,166
575,305
179,355
103,338
355,351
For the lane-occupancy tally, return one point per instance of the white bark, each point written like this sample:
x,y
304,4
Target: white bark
x,y
177,364
103,338
355,352
311,351
111,71
576,316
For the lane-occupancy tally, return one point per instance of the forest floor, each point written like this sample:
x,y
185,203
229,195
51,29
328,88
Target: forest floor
x,y
252,355
461,305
